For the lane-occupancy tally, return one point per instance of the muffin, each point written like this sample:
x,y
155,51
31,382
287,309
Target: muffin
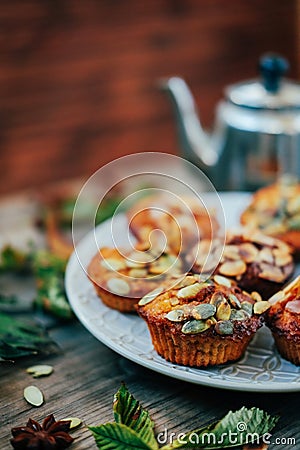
x,y
255,261
122,277
183,220
202,323
283,319
275,210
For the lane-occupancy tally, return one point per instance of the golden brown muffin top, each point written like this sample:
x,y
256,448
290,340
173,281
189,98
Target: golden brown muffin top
x,y
182,219
275,209
284,315
131,273
268,258
216,306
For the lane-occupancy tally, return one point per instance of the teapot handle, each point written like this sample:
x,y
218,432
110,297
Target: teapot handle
x,y
272,67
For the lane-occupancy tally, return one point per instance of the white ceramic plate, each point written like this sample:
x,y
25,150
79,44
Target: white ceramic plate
x,y
261,368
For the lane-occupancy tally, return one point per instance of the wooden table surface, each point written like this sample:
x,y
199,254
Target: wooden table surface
x,y
87,374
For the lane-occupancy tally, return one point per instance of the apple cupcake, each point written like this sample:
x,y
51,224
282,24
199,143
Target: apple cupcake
x,y
283,319
202,323
121,278
255,261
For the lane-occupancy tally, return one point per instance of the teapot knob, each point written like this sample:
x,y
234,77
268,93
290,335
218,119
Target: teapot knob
x,y
272,67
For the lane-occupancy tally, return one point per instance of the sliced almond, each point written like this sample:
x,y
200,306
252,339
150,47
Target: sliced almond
x,y
283,246
118,286
190,291
150,296
263,239
293,306
233,268
261,307
33,395
231,252
278,297
138,273
248,252
265,255
282,258
271,273
222,281
136,259
113,264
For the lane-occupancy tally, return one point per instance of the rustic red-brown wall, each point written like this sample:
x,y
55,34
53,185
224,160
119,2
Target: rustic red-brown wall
x,y
78,78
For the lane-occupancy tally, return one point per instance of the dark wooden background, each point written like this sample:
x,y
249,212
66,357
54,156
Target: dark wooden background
x,y
78,78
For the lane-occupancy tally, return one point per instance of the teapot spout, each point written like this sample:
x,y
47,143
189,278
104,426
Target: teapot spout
x,y
196,145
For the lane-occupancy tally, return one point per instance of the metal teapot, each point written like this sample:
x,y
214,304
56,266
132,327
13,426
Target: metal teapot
x,y
256,137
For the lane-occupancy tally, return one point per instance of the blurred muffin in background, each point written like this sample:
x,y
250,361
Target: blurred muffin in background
x,y
171,221
275,210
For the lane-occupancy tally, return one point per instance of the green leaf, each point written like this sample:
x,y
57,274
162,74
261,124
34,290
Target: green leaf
x,y
117,436
235,429
128,411
49,273
20,338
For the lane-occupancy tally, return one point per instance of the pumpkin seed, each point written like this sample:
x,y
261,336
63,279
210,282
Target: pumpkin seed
x,y
217,298
75,422
33,395
190,291
40,370
195,327
248,307
204,311
239,315
150,296
118,286
223,281
211,321
261,307
224,327
223,311
177,315
234,301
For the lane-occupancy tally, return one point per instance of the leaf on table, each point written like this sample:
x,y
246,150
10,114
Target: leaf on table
x,y
117,436
235,429
51,296
128,411
22,337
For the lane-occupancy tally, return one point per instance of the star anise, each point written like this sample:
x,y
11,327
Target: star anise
x,y
51,435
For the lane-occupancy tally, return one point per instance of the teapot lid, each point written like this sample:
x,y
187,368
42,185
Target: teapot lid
x,y
271,91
